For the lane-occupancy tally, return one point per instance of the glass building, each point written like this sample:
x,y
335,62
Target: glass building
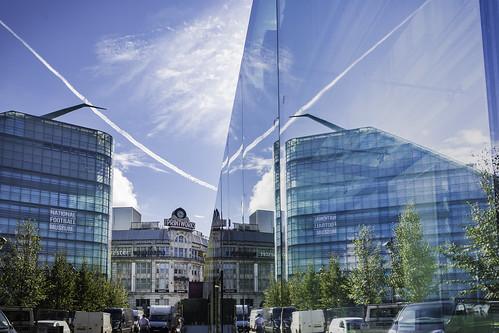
x,y
337,182
58,176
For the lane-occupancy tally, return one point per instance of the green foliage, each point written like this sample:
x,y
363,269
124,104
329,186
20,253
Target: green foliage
x,y
22,281
367,280
304,291
479,257
414,261
277,294
117,296
61,285
333,286
90,294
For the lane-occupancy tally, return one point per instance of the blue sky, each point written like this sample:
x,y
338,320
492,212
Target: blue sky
x,y
166,70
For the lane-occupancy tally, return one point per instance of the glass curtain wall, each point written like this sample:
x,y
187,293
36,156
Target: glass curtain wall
x,y
349,112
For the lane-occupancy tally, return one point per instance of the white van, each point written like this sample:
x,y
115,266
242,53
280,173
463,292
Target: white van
x,y
92,322
347,325
252,318
307,321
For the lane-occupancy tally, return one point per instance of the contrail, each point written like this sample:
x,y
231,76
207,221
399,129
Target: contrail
x,y
331,84
108,121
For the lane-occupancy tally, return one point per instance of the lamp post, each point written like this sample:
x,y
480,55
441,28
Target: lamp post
x,y
389,248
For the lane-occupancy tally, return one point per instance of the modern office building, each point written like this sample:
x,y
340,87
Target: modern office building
x,y
264,219
57,175
246,255
157,262
123,217
339,181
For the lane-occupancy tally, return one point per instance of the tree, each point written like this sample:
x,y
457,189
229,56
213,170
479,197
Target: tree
x,y
22,282
414,261
90,291
117,296
333,286
304,291
479,257
61,284
276,294
367,280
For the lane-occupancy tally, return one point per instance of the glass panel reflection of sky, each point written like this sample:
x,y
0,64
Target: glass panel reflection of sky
x,y
411,69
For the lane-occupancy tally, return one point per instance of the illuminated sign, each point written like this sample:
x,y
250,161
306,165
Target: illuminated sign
x,y
325,225
62,220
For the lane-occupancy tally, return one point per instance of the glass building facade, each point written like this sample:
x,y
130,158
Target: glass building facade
x,y
58,176
340,181
412,87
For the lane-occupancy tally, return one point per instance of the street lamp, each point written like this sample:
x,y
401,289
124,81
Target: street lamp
x,y
389,248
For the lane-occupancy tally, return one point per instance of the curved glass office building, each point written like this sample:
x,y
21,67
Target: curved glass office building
x,y
339,181
57,175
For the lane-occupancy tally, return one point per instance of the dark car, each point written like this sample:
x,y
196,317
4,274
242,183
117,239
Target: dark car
x,y
5,325
21,318
439,317
121,320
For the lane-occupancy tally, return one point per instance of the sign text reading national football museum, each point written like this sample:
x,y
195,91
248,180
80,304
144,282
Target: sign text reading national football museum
x,y
62,220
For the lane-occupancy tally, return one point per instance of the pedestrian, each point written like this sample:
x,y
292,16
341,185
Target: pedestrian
x,y
259,323
144,325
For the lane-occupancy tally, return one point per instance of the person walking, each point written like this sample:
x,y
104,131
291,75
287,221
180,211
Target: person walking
x,y
259,323
144,325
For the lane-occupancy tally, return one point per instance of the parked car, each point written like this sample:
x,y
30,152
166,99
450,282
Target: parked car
x,y
5,325
52,326
252,318
21,318
92,322
442,316
160,318
307,321
121,319
348,325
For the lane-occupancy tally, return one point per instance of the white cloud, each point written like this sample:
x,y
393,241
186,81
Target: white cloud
x,y
123,192
465,145
188,74
263,193
134,159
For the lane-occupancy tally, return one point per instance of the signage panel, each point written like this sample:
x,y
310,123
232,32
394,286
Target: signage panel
x,y
325,225
180,223
62,220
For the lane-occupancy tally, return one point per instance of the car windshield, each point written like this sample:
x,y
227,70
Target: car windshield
x,y
17,315
354,324
46,324
383,313
421,313
159,317
4,323
116,314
